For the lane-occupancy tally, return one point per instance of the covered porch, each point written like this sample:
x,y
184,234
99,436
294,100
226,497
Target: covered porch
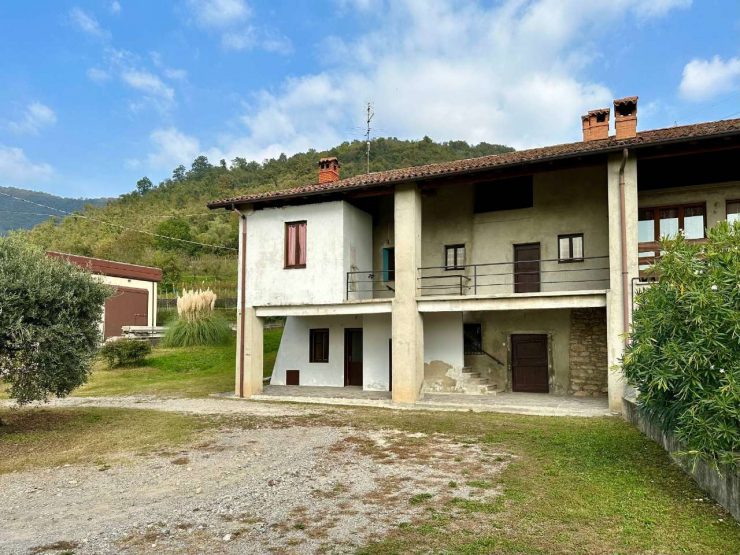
x,y
507,402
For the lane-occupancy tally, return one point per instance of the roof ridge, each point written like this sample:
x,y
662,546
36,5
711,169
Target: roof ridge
x,y
515,157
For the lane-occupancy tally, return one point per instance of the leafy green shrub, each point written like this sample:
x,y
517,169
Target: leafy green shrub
x,y
684,357
125,352
49,322
197,322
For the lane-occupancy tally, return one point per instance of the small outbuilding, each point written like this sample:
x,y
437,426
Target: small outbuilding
x,y
134,302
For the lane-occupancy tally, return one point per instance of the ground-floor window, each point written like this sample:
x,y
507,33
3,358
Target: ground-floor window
x,y
319,345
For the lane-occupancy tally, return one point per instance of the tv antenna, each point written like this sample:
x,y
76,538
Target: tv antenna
x,y
370,114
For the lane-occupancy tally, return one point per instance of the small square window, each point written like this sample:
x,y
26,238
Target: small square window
x,y
318,345
733,211
570,248
455,257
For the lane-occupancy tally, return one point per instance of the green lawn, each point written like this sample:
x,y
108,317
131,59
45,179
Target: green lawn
x,y
188,372
42,437
578,485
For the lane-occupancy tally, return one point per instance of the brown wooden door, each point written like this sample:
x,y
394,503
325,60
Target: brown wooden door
x,y
527,268
127,307
529,363
353,356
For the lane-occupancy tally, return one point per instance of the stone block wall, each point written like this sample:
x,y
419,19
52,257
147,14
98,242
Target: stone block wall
x,y
587,350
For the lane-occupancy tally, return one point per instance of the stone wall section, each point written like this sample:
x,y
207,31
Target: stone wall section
x,y
588,354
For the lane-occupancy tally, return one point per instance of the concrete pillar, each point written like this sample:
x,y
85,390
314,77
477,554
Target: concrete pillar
x,y
407,325
617,294
249,328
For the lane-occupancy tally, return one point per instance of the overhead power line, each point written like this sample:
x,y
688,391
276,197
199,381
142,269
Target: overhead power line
x,y
151,234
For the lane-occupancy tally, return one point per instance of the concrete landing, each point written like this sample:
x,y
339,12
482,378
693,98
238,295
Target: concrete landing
x,y
514,403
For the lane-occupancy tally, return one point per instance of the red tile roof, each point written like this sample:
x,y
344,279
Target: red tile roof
x,y
644,138
110,267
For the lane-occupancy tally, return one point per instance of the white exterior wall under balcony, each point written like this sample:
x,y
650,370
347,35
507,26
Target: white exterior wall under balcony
x,y
293,353
338,237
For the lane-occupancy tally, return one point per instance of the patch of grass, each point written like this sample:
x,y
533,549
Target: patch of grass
x,y
40,437
480,484
572,485
420,498
181,372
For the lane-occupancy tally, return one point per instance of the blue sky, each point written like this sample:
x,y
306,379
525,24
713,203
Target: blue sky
x,y
96,94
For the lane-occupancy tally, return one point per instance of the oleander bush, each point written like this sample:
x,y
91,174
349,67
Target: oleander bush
x,y
50,313
684,355
197,322
125,352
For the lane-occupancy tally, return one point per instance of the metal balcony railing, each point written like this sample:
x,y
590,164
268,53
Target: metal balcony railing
x,y
530,276
369,284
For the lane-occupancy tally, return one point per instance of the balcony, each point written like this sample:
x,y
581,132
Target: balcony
x,y
512,278
363,285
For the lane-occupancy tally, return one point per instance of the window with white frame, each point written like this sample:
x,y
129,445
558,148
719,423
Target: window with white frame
x,y
570,247
454,257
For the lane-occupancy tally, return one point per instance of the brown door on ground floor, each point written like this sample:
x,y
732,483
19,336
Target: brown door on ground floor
x,y
127,307
529,363
353,356
527,268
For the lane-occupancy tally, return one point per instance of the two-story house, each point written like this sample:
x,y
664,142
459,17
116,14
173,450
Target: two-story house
x,y
512,272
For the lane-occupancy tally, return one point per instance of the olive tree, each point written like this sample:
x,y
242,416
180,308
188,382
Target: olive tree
x,y
684,355
49,322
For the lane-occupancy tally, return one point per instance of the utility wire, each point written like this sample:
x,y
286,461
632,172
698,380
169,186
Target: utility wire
x,y
151,234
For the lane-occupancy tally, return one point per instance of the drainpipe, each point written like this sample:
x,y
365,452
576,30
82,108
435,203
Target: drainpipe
x,y
242,295
623,245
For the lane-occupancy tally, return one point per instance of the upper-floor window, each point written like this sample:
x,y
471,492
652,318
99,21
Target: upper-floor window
x,y
570,247
454,257
668,221
318,345
295,244
733,211
504,194
389,264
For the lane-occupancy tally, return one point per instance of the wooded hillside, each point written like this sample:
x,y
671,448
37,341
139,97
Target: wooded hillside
x,y
16,214
177,207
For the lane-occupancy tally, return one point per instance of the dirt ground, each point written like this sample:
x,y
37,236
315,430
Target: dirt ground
x,y
293,489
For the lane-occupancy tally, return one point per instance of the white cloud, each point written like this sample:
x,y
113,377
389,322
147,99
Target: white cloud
x,y
98,75
17,169
704,79
36,116
512,73
87,23
658,8
115,7
171,148
218,14
149,84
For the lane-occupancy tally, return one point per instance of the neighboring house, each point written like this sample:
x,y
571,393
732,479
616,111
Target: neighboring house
x,y
134,302
512,272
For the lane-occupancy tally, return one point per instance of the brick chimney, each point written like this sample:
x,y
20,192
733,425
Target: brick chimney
x,y
596,125
328,170
625,117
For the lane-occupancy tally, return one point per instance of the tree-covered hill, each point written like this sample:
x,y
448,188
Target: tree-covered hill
x,y
16,214
177,207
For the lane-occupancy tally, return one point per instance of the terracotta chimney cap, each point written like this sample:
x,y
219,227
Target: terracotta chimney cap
x,y
329,169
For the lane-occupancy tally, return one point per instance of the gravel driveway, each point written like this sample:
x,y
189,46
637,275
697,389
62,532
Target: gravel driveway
x,y
288,489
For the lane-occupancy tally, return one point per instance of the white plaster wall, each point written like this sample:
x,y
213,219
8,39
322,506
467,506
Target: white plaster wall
x,y
358,245
329,247
294,349
293,353
376,335
443,338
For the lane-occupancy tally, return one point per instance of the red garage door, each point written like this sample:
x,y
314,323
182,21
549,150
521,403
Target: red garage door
x,y
127,307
